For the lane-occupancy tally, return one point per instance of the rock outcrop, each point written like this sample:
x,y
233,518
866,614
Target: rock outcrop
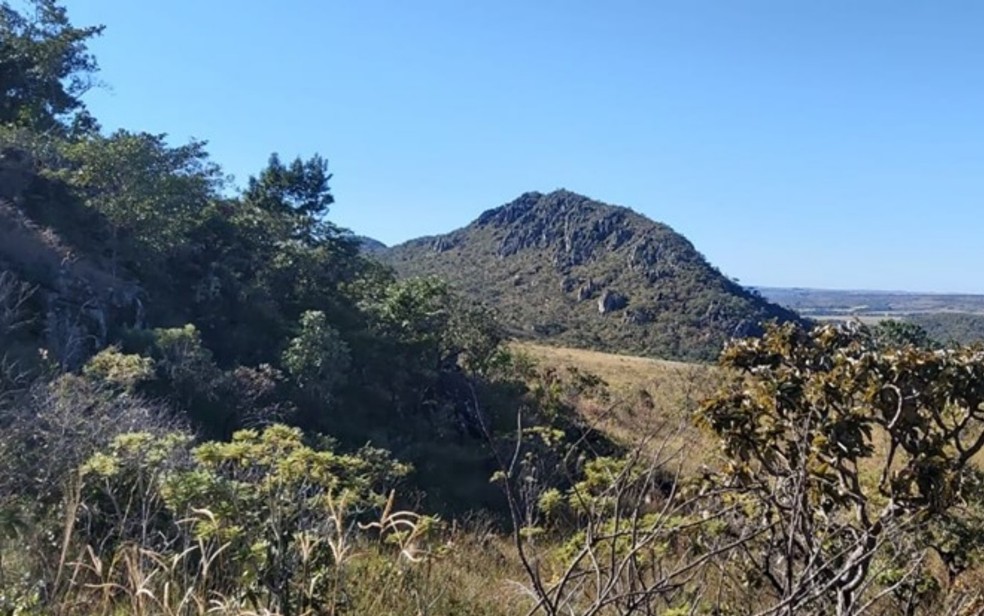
x,y
561,266
611,301
74,302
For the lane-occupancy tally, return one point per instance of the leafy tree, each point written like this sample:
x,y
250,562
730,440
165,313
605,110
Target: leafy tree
x,y
894,333
117,369
423,340
426,315
317,358
45,68
839,449
151,192
299,190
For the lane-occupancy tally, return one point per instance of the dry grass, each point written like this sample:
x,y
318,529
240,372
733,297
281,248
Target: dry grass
x,y
620,371
649,396
649,399
397,566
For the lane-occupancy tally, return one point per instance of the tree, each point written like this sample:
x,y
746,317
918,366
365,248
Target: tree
x,y
642,543
845,458
45,68
299,190
894,333
317,358
152,194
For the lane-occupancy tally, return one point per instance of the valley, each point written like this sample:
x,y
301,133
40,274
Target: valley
x,y
944,316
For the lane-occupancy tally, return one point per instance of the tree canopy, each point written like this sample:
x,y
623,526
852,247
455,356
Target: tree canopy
x,y
45,68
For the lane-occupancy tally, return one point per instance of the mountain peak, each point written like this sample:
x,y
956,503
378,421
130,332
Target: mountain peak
x,y
543,205
567,267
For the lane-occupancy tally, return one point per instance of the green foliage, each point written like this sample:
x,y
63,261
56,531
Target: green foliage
x,y
153,194
426,317
180,355
276,461
300,188
317,358
45,67
839,447
118,369
274,512
892,333
298,191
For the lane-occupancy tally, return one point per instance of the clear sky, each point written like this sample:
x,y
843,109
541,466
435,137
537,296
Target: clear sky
x,y
796,142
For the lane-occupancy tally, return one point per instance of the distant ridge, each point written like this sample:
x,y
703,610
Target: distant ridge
x,y
565,268
810,301
369,245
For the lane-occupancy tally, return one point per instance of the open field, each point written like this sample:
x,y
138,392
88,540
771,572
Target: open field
x,y
647,399
620,371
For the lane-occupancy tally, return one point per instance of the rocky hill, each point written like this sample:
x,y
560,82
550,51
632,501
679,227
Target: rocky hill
x,y
566,268
369,245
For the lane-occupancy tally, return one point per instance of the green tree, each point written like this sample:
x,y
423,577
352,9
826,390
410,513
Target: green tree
x,y
427,316
317,358
894,333
299,190
45,67
150,192
843,456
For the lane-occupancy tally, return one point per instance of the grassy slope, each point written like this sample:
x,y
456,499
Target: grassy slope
x,y
649,400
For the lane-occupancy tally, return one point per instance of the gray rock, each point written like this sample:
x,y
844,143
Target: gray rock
x,y
611,301
587,291
444,243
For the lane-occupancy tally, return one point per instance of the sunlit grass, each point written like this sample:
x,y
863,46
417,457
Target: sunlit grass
x,y
649,399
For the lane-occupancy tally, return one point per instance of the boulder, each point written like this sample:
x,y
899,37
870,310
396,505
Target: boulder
x,y
611,301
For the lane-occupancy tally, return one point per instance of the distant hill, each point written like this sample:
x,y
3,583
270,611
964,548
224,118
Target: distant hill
x,y
835,302
568,269
946,317
949,327
369,245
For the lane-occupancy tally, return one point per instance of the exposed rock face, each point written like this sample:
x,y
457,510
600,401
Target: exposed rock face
x,y
561,221
76,303
443,243
551,262
587,291
78,318
611,301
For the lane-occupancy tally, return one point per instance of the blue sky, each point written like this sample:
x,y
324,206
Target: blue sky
x,y
830,144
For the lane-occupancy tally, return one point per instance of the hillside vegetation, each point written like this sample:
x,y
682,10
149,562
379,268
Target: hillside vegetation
x,y
213,403
945,317
569,269
951,327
